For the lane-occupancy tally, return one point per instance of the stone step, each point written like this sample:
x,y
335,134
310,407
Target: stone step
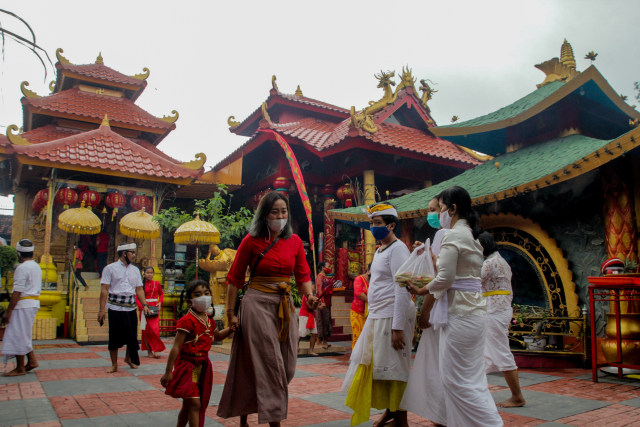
x,y
99,338
98,330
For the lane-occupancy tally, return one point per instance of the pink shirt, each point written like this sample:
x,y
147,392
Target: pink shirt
x,y
360,286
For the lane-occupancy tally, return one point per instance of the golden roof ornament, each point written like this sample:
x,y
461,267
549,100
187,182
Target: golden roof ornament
x,y
406,80
265,113
142,76
427,92
26,92
298,91
364,119
15,138
171,119
62,59
99,59
231,121
52,86
274,85
566,55
201,158
105,121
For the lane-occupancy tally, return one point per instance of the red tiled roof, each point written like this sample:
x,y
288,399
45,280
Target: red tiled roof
x,y
48,133
323,135
81,104
101,72
313,102
105,149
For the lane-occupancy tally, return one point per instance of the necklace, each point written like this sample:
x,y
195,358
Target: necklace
x,y
385,248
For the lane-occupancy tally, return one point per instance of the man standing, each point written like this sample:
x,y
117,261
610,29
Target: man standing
x,y
120,281
27,282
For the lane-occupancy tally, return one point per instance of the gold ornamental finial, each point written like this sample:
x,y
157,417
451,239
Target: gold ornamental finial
x,y
142,76
61,59
566,55
265,113
15,138
298,91
196,164
105,121
99,59
274,85
26,92
171,119
232,122
52,86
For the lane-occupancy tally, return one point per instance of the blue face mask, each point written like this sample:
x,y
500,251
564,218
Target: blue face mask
x,y
379,233
433,219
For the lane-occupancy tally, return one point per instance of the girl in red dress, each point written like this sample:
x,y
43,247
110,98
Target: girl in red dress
x,y
150,326
189,373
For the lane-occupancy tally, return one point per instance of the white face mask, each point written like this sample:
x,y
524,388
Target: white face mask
x,y
201,303
445,219
277,225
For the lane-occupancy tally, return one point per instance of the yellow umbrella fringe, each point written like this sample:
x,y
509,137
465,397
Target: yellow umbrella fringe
x,y
196,238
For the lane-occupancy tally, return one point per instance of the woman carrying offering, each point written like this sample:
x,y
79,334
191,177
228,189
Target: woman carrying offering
x,y
150,325
496,288
459,313
381,359
189,374
264,352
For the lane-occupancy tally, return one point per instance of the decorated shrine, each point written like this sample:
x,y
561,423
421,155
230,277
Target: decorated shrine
x,y
87,146
560,194
344,157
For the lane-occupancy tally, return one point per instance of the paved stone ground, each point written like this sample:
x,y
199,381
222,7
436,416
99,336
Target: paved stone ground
x,y
71,388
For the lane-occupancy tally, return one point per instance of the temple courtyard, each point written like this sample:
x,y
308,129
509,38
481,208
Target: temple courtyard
x,y
72,388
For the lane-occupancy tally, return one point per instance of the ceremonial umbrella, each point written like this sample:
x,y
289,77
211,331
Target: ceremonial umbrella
x,y
78,221
139,225
197,232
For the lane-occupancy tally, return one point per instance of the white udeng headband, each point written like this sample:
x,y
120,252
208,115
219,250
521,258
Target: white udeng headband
x,y
21,248
127,247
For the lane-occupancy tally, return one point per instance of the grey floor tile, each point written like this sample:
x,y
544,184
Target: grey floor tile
x,y
151,369
155,419
335,401
57,350
526,379
631,402
547,406
301,373
49,342
91,386
314,360
26,411
216,393
30,377
73,363
218,357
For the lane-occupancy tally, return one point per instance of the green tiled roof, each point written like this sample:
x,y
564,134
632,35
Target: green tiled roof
x,y
516,168
520,106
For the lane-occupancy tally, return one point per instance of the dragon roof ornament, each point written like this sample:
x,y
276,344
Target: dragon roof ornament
x,y
142,76
62,59
232,122
274,85
171,119
26,92
201,158
52,86
15,138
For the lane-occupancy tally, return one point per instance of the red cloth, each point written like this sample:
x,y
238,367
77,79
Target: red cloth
x,y
79,257
151,333
199,338
102,242
285,258
305,311
182,383
360,286
324,288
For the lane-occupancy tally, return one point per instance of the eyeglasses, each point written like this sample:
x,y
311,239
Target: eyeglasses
x,y
131,252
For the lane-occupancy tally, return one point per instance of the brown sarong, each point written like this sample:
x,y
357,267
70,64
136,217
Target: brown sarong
x,y
261,366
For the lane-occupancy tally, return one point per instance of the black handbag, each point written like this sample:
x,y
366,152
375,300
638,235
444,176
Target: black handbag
x,y
154,311
236,309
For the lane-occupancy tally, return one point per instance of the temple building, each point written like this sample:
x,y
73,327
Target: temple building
x,y
87,142
561,193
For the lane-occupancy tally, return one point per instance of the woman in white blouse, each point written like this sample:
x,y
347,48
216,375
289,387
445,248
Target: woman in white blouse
x,y
459,313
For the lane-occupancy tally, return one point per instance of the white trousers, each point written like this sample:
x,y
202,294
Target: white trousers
x,y
18,335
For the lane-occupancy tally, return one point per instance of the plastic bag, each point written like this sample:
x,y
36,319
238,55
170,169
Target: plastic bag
x,y
418,268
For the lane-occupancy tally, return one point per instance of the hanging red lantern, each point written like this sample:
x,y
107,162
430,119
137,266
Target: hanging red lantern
x,y
348,203
90,198
40,200
82,188
345,192
281,183
115,201
139,202
66,197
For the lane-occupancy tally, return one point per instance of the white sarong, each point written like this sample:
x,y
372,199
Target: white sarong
x,y
18,335
498,356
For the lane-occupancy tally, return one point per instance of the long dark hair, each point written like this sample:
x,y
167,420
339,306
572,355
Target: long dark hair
x,y
460,197
489,245
259,226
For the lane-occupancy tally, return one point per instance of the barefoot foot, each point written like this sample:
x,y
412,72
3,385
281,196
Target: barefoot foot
x,y
386,417
14,373
131,365
512,403
30,366
112,369
313,353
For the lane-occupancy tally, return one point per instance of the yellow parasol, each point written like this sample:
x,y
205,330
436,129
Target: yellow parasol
x,y
139,225
197,232
79,221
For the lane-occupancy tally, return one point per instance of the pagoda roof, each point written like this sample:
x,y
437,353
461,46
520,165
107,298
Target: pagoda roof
x,y
487,133
106,152
516,173
86,106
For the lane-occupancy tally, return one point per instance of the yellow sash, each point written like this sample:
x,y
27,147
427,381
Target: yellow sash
x,y
284,289
499,292
30,297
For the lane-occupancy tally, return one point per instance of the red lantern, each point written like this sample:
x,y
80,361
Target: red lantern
x,y
345,192
40,200
115,201
90,198
281,183
66,197
82,188
131,193
139,202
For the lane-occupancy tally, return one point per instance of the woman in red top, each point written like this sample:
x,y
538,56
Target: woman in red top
x,y
360,299
188,374
264,352
150,326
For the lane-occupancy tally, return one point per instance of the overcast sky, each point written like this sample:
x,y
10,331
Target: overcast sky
x,y
213,59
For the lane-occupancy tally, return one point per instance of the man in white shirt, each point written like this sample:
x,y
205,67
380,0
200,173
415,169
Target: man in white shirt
x,y
121,281
24,304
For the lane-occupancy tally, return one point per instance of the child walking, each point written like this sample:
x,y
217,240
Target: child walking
x,y
189,373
